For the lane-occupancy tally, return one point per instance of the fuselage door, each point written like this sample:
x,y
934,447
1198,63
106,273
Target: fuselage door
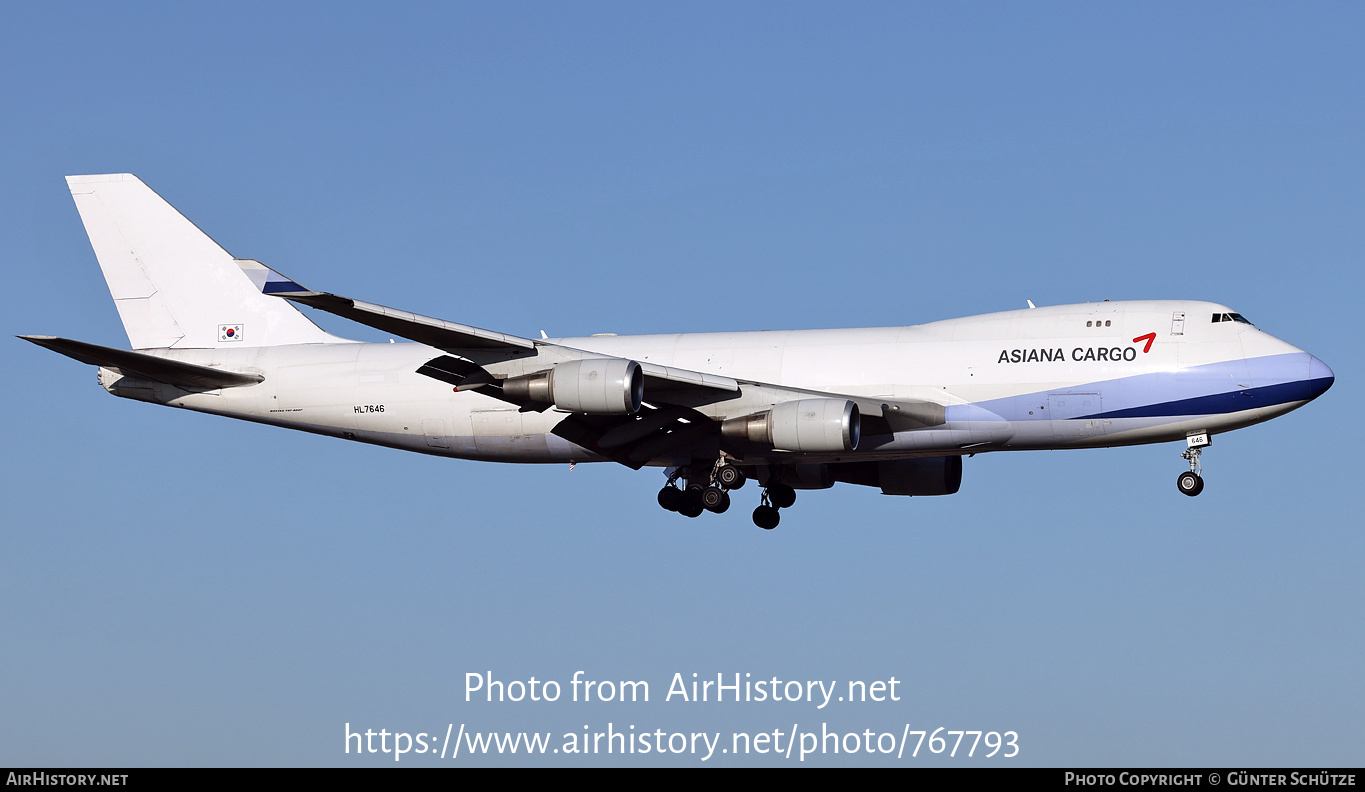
x,y
1178,323
435,430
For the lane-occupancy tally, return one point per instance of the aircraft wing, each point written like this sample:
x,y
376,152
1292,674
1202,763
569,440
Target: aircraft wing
x,y
414,327
666,423
451,336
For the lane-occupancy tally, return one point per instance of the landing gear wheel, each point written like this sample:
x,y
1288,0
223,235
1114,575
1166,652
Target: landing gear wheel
x,y
766,517
730,477
670,498
781,495
691,505
714,499
1190,483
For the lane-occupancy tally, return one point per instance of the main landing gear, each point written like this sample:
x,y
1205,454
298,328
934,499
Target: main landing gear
x,y
776,496
693,490
1190,482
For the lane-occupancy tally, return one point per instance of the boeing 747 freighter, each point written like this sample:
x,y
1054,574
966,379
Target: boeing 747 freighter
x,y
895,408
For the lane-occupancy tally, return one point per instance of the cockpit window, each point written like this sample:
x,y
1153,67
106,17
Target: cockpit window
x,y
1230,317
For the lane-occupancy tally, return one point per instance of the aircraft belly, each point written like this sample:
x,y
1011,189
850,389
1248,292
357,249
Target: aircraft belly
x,y
501,434
1075,414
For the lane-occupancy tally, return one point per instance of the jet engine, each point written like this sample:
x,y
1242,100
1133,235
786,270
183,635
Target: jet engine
x,y
596,386
810,425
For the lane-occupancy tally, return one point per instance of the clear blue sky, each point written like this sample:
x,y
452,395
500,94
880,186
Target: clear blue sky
x,y
182,589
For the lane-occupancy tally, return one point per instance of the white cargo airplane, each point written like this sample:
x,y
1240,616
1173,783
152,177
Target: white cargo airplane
x,y
895,408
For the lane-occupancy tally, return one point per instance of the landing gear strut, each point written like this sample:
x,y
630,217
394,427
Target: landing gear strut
x,y
1190,482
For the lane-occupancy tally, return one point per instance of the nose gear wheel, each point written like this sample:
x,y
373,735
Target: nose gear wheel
x,y
1190,482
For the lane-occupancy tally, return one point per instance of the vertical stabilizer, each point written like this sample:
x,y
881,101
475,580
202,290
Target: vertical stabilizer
x,y
173,285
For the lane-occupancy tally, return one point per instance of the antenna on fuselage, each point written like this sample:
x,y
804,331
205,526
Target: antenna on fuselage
x,y
1030,303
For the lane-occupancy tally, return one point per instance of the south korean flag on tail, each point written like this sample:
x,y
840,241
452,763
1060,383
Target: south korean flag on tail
x,y
230,332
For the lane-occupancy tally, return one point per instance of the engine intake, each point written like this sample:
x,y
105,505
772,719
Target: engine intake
x,y
596,386
809,425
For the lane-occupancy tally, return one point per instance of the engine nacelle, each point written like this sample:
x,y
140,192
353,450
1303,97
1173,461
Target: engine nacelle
x,y
809,425
929,476
596,386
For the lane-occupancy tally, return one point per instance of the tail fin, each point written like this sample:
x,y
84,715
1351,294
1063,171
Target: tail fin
x,y
173,285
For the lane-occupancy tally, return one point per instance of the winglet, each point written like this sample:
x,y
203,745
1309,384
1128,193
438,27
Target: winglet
x,y
271,282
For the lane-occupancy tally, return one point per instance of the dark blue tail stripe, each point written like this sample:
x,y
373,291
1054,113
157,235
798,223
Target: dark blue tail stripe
x,y
273,287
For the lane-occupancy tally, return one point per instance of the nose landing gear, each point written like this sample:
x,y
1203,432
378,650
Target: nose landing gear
x,y
1190,482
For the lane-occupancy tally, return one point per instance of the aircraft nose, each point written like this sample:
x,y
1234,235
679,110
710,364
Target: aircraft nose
x,y
1320,377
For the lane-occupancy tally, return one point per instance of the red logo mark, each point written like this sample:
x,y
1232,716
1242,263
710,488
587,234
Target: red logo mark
x,y
1149,338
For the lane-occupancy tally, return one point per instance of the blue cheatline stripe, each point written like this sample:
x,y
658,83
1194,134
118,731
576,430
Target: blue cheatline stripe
x,y
281,286
1232,401
1124,395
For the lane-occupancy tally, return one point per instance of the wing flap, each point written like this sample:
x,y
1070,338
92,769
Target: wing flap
x,y
677,376
634,440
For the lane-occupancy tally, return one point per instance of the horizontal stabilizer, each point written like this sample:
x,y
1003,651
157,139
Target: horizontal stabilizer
x,y
173,372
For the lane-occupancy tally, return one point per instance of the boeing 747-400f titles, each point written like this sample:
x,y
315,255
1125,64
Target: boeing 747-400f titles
x,y
895,408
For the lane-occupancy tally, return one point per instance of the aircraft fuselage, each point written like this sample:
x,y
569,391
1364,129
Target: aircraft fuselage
x,y
1074,376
